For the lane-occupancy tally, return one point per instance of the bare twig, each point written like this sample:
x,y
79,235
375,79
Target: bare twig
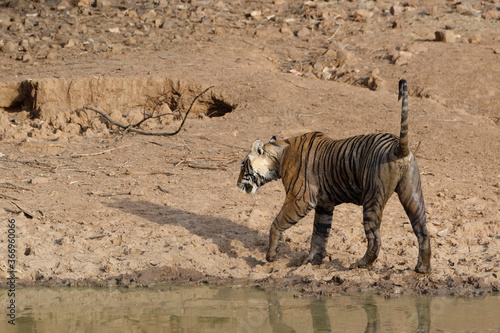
x,y
8,197
130,128
110,194
162,189
16,186
27,213
197,166
75,155
97,236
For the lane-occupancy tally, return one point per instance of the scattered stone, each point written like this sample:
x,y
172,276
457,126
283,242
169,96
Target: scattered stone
x,y
396,9
286,31
318,66
9,47
102,3
52,55
304,32
446,36
63,5
256,14
344,55
397,23
417,48
26,57
70,43
117,48
476,39
375,82
25,45
114,30
39,180
401,57
363,15
492,14
84,3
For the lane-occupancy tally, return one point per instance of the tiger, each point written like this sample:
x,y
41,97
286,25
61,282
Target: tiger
x,y
320,173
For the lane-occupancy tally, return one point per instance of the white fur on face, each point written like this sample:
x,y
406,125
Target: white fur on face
x,y
263,166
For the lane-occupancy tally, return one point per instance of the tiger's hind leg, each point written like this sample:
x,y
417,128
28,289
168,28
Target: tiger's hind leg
x,y
293,211
410,194
372,216
321,231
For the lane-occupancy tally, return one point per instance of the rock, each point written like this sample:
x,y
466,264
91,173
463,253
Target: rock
x,y
70,43
256,14
476,39
401,57
84,3
52,55
497,50
446,36
492,14
304,32
102,3
25,45
398,23
375,82
318,66
26,57
117,48
362,15
396,9
39,180
9,47
134,116
63,5
117,116
417,48
286,31
344,55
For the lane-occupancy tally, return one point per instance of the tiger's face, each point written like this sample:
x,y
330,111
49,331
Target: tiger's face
x,y
257,168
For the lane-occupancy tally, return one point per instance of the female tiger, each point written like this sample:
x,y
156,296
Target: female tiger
x,y
319,173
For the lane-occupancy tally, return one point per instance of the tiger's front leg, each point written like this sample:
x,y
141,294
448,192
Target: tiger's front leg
x,y
292,211
321,231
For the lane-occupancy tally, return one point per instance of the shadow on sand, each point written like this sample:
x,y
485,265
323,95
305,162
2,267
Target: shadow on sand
x,y
220,230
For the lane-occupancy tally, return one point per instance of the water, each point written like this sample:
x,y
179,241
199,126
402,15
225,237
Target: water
x,y
209,309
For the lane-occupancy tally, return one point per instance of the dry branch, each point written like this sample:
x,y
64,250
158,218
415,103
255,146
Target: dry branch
x,y
75,155
131,128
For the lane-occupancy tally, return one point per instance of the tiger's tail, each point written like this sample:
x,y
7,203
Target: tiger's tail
x,y
403,150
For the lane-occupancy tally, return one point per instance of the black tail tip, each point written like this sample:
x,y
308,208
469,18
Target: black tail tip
x,y
402,88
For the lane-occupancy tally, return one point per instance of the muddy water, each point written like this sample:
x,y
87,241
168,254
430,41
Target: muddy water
x,y
207,309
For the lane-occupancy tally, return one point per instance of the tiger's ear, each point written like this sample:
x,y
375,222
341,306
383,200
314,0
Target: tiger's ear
x,y
258,147
273,139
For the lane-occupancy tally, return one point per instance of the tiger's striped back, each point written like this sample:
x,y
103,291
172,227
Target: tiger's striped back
x,y
338,171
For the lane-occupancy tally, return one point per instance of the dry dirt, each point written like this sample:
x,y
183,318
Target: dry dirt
x,y
94,206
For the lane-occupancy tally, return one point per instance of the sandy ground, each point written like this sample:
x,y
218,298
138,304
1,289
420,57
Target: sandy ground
x,y
94,206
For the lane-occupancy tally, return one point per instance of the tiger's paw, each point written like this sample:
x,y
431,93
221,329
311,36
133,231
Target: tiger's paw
x,y
361,263
271,256
314,258
423,269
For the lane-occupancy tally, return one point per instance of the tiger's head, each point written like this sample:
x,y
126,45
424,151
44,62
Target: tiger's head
x,y
260,166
